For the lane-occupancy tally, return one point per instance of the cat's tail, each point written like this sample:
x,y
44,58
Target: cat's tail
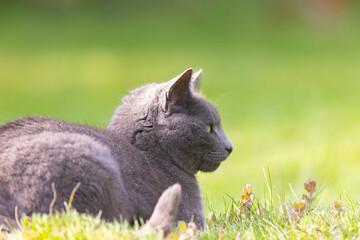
x,y
165,211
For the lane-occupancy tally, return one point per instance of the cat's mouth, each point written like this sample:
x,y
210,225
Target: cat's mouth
x,y
213,161
210,166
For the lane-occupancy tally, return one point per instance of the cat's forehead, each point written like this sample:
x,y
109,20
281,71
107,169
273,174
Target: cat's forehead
x,y
205,110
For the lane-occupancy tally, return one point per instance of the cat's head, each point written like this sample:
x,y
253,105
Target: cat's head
x,y
173,120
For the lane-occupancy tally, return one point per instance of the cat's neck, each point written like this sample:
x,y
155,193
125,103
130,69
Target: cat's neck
x,y
164,160
158,156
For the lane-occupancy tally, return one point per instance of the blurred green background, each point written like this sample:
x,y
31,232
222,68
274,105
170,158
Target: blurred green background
x,y
284,75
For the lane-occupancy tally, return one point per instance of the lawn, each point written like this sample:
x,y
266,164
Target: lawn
x,y
287,87
245,218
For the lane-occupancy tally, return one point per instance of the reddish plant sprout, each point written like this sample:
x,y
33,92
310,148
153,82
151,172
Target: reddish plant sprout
x,y
301,205
310,187
306,198
292,214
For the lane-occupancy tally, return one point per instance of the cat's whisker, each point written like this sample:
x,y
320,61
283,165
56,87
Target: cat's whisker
x,y
196,164
218,101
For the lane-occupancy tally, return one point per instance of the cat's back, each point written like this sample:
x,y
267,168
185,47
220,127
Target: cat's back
x,y
37,125
22,130
36,152
26,139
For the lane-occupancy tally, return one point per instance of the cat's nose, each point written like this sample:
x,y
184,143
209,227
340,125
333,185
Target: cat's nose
x,y
229,149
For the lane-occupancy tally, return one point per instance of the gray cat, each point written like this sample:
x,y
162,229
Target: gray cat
x,y
163,134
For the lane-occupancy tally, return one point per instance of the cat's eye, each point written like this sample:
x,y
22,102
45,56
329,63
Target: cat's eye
x,y
210,128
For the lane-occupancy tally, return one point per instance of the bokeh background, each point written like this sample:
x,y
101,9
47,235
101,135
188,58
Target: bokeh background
x,y
284,75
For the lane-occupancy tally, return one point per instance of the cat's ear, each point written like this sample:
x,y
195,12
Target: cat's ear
x,y
196,79
178,91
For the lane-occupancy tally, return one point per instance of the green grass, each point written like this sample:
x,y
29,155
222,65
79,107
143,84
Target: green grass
x,y
268,218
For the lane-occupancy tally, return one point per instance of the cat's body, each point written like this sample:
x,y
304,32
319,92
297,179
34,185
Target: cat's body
x,y
157,138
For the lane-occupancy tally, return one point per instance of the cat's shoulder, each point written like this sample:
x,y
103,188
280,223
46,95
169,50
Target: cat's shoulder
x,y
37,125
22,122
31,123
23,126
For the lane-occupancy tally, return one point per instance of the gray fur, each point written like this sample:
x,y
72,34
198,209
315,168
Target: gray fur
x,y
156,138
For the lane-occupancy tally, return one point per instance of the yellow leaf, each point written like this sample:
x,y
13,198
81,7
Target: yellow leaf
x,y
245,198
171,236
182,226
